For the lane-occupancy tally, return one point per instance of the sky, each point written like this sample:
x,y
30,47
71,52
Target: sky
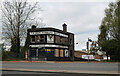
x,y
83,17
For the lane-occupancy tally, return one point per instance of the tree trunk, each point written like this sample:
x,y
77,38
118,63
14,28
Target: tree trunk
x,y
18,47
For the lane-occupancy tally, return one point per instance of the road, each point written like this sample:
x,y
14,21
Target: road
x,y
76,67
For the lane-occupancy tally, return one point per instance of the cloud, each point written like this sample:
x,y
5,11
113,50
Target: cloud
x,y
71,0
82,38
82,18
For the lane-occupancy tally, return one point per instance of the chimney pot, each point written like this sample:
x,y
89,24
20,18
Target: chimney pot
x,y
64,28
33,27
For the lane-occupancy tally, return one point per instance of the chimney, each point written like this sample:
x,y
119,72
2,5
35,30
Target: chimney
x,y
64,28
33,27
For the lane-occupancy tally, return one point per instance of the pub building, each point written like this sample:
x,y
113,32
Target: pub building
x,y
50,44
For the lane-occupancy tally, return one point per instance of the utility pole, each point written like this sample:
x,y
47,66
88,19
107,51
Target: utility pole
x,y
88,50
89,40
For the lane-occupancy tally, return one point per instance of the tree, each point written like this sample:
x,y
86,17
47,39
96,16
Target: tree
x,y
17,17
111,21
103,34
109,37
112,48
94,47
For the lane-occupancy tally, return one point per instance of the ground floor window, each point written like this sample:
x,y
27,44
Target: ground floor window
x,y
49,53
61,53
66,53
33,52
56,52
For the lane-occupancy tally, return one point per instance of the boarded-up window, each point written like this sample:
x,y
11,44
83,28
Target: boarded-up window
x,y
64,41
61,53
56,52
57,38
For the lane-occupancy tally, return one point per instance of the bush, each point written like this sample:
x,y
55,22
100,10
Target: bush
x,y
4,55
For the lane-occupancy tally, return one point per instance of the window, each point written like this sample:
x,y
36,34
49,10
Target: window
x,y
71,53
33,39
37,39
56,52
57,39
42,38
66,53
65,41
60,40
61,53
33,52
50,38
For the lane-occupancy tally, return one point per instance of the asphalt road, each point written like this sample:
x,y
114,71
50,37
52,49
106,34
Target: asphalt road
x,y
63,66
18,73
84,67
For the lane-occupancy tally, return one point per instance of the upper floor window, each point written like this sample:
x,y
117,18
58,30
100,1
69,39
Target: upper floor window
x,y
42,38
60,40
33,39
37,39
50,38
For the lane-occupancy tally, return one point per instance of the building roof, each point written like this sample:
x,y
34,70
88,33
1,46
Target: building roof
x,y
49,29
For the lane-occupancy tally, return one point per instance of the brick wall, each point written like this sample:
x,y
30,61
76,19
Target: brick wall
x,y
80,53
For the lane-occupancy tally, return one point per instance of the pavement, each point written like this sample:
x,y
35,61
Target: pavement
x,y
62,67
21,73
60,62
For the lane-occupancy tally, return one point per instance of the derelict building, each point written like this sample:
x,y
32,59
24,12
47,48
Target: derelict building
x,y
50,44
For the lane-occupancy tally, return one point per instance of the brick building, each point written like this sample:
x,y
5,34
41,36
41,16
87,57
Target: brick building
x,y
84,55
50,44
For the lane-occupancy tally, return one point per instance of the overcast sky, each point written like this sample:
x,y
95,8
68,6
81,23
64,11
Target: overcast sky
x,y
83,17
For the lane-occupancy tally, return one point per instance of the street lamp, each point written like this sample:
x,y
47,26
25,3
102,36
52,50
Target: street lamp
x,y
89,40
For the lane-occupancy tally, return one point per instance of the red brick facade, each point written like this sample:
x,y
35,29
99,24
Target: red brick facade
x,y
80,53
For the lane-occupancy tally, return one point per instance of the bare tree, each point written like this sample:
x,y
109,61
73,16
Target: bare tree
x,y
17,17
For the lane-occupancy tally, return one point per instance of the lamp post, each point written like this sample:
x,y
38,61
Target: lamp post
x,y
89,40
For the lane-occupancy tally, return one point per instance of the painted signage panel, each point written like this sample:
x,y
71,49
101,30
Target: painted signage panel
x,y
60,34
50,38
48,32
48,49
105,58
86,56
46,45
41,32
66,53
